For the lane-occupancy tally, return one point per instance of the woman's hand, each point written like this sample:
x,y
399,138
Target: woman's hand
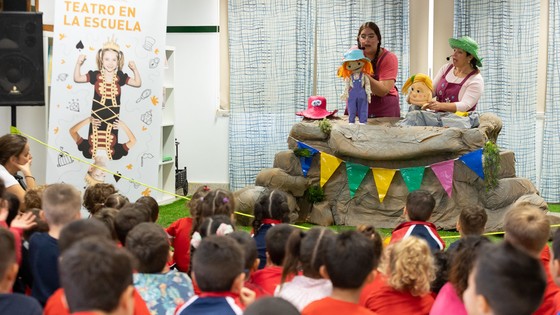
x,y
25,168
440,107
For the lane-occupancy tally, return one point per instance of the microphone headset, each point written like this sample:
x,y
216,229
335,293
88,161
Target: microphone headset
x,y
448,57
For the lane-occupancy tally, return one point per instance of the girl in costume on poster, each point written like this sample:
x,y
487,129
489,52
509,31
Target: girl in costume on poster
x,y
107,82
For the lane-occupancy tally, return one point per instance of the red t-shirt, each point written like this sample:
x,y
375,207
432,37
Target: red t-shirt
x,y
330,306
383,299
56,306
267,279
180,230
388,69
548,305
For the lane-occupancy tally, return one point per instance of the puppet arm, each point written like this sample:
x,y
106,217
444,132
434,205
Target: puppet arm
x,y
367,87
136,81
348,85
78,77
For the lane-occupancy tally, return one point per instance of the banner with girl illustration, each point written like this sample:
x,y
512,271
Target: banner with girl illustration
x,y
106,94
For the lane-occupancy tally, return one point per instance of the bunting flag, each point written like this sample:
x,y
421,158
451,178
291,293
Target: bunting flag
x,y
444,173
356,174
306,161
412,177
329,164
474,161
383,178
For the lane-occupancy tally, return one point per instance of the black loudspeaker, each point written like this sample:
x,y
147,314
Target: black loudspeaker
x,y
21,59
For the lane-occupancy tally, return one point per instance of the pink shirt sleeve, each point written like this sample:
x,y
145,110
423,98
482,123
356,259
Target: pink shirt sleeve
x,y
389,67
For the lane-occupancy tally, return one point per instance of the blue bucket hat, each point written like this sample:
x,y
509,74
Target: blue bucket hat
x,y
354,54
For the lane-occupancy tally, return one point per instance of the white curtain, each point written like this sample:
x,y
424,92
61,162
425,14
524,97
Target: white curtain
x,y
507,34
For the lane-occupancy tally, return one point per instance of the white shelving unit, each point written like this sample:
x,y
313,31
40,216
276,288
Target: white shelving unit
x,y
166,176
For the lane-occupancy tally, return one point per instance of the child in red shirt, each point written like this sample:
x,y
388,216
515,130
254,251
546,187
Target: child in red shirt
x,y
270,276
181,230
350,264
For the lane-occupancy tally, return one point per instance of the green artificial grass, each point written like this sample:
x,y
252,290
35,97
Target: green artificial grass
x,y
171,212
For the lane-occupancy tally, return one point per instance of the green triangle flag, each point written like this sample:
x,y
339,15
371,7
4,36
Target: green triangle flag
x,y
356,174
412,177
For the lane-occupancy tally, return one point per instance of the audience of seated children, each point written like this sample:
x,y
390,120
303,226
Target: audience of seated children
x,y
450,298
555,267
418,210
404,285
249,247
305,251
24,281
116,201
128,217
107,216
12,303
350,264
180,231
162,289
61,205
505,280
97,278
73,233
472,221
527,226
270,208
152,204
271,306
271,275
217,268
95,196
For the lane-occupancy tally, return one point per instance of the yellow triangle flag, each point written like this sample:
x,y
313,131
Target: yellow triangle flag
x,y
329,164
383,178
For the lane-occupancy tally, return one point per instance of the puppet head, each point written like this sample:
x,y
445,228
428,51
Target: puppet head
x,y
419,89
354,61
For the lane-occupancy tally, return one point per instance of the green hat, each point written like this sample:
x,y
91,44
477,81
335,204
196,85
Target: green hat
x,y
467,44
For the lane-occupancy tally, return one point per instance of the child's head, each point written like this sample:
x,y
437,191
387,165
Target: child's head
x,y
107,216
8,264
273,204
61,204
463,259
411,266
128,217
275,240
95,196
505,280
555,261
528,227
350,260
79,230
40,226
196,199
97,275
218,265
419,205
149,244
13,206
215,225
116,201
271,306
472,220
249,247
306,250
370,232
217,201
33,197
152,204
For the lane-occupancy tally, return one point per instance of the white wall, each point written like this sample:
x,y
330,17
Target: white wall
x,y
203,133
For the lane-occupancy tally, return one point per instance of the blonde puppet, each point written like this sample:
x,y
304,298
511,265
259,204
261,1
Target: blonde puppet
x,y
107,82
357,91
419,90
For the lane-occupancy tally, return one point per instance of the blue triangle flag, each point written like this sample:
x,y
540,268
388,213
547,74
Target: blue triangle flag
x,y
306,161
474,161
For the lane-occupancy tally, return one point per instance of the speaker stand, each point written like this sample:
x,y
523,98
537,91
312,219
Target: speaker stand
x,y
14,117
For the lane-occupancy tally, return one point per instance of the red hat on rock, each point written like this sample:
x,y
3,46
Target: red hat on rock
x,y
316,108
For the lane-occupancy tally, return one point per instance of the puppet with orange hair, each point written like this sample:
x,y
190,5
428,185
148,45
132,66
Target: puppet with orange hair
x,y
357,92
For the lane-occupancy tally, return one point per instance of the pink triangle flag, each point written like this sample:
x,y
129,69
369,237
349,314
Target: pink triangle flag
x,y
444,173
